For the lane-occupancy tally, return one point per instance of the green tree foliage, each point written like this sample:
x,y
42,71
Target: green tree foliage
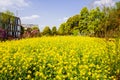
x,y
5,17
117,18
61,30
9,13
83,22
110,21
35,28
75,32
118,5
54,30
97,22
94,19
47,31
72,23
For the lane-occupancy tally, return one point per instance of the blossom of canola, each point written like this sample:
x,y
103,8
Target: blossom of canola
x,y
59,58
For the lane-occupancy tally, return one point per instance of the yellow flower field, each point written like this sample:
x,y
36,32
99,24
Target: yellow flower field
x,y
59,58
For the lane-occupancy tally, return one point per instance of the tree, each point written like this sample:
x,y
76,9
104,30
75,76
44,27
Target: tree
x,y
97,22
111,21
118,17
83,22
72,22
35,28
46,31
94,19
75,32
6,17
117,5
54,30
61,30
35,31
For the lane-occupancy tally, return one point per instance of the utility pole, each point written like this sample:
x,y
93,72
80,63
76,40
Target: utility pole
x,y
17,13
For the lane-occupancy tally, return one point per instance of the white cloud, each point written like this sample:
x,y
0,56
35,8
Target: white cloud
x,y
63,19
30,17
5,4
104,3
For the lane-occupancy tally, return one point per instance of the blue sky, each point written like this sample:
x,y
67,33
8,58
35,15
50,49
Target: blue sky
x,y
48,12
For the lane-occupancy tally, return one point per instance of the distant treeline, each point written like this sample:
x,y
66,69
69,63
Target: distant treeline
x,y
97,22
